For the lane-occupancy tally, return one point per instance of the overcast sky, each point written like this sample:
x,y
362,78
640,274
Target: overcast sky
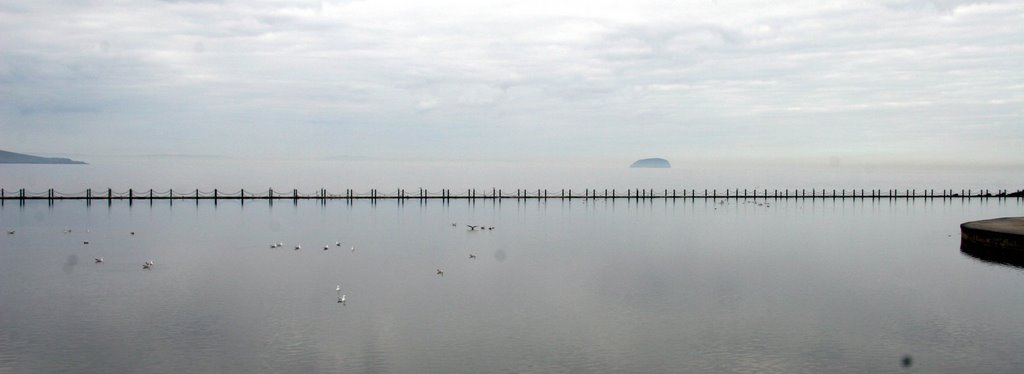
x,y
854,81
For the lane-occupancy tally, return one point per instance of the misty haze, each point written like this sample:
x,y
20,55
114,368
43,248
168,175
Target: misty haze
x,y
511,186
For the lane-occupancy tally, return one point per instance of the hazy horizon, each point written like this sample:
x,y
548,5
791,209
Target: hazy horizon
x,y
895,81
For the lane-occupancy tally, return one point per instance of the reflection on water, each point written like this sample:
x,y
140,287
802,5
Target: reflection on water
x,y
557,286
994,256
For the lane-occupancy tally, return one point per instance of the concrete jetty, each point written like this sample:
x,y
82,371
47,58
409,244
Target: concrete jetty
x,y
999,234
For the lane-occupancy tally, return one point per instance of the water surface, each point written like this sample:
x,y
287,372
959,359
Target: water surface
x,y
557,286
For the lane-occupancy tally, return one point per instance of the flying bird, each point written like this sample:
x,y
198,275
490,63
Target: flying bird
x,y
471,227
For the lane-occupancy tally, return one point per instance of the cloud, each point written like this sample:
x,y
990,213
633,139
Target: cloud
x,y
673,78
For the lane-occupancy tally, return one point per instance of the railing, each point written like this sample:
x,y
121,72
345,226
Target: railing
x,y
494,193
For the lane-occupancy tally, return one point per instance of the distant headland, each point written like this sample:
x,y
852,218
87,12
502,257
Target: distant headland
x,y
19,158
651,163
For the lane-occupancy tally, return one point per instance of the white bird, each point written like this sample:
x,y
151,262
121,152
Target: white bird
x,y
353,248
326,247
280,244
342,299
337,244
147,265
298,247
338,289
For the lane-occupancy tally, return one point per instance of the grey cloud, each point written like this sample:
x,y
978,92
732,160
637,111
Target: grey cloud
x,y
738,72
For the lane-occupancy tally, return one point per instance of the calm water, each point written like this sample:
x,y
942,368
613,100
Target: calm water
x,y
230,175
557,286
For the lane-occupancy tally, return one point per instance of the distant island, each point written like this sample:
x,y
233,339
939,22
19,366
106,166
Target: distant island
x,y
19,158
651,163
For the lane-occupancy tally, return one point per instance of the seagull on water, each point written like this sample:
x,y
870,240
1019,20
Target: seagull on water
x,y
147,265
298,247
326,247
353,248
85,242
337,244
439,272
99,259
342,299
472,256
11,232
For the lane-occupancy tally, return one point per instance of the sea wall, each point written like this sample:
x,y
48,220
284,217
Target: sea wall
x,y
1000,233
